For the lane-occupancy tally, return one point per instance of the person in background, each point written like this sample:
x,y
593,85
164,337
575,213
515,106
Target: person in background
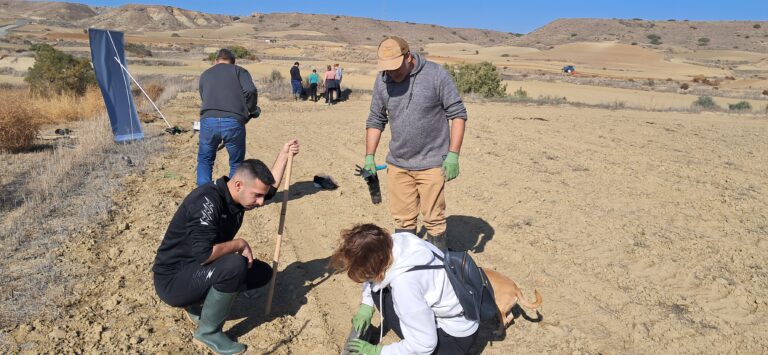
x,y
296,81
330,85
339,72
314,79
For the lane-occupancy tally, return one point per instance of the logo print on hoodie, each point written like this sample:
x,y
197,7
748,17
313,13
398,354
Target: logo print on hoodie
x,y
207,212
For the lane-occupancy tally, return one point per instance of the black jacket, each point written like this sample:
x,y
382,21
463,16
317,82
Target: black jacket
x,y
227,90
295,73
207,216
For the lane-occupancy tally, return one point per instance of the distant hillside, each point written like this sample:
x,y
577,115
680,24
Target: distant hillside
x,y
142,18
358,30
52,12
743,35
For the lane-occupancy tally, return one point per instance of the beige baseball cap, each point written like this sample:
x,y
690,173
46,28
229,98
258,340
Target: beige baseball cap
x,y
391,51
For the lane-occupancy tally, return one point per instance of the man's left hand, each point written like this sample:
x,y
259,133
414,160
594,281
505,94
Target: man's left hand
x,y
291,147
362,347
451,166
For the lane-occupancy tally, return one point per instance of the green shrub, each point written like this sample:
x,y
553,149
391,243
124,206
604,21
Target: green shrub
x,y
740,106
482,78
655,39
240,52
56,72
684,86
705,102
175,34
520,93
703,41
756,26
138,49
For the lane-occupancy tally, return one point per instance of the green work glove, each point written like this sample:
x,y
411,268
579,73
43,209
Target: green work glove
x,y
362,319
451,166
362,347
370,164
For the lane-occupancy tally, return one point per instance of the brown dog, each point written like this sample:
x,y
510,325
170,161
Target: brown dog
x,y
507,295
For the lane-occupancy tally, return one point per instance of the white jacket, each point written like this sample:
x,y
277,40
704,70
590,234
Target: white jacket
x,y
424,300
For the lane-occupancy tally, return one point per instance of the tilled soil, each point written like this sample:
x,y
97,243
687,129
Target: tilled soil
x,y
644,232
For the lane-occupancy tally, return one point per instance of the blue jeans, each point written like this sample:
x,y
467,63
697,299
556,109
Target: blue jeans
x,y
297,89
213,130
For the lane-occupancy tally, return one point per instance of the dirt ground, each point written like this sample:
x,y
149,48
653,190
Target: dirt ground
x,y
644,232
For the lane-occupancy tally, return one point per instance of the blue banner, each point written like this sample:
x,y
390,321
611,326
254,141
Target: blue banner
x,y
108,60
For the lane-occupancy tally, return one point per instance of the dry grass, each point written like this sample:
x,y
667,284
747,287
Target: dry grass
x,y
53,193
17,126
68,108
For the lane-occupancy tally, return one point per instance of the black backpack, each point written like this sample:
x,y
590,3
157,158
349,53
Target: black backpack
x,y
470,284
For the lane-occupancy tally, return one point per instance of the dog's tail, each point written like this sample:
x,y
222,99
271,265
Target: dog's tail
x,y
525,303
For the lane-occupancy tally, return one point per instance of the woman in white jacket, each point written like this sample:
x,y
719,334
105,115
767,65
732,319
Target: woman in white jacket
x,y
418,304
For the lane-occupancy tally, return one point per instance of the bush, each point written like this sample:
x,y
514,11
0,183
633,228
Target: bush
x,y
655,39
684,86
18,127
482,78
56,72
175,34
765,92
756,26
705,102
240,52
740,106
138,49
520,93
703,41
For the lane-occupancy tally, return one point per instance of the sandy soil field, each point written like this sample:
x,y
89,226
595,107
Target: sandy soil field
x,y
644,232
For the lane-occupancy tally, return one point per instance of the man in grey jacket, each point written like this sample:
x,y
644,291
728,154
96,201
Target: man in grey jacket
x,y
229,100
417,98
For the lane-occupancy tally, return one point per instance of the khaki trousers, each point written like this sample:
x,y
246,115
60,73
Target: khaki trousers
x,y
414,191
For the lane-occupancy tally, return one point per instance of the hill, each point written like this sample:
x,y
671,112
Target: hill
x,y
742,35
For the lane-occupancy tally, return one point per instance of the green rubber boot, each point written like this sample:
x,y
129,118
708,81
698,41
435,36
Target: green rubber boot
x,y
215,310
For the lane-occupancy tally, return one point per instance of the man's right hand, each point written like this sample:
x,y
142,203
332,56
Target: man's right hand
x,y
292,147
370,164
245,250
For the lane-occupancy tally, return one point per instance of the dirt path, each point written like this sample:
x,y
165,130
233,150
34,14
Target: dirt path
x,y
643,232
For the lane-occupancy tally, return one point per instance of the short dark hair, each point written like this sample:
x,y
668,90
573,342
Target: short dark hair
x,y
255,168
365,253
226,54
314,70
296,63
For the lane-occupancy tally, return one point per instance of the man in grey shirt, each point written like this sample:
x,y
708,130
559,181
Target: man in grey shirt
x,y
229,100
417,98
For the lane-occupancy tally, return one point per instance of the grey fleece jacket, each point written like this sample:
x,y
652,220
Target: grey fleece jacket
x,y
418,109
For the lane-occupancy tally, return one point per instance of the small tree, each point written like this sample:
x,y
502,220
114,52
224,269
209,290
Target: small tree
x,y
56,72
482,78
655,39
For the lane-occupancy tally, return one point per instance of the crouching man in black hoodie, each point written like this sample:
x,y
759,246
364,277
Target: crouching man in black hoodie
x,y
199,261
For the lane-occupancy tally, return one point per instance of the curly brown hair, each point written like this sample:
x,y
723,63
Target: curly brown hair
x,y
365,253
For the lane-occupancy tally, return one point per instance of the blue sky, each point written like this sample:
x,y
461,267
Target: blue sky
x,y
507,16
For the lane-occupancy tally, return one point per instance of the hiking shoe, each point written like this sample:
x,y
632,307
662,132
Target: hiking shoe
x,y
438,241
